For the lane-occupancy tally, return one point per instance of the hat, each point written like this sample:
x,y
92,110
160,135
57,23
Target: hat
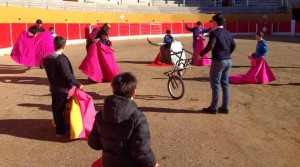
x,y
106,25
38,21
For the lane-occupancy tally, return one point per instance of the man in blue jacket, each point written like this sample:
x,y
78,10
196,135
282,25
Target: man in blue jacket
x,y
222,45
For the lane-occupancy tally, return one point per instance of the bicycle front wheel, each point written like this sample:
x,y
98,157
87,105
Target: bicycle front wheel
x,y
176,87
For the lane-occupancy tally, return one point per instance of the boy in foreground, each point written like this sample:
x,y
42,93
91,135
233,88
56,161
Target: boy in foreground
x,y
121,130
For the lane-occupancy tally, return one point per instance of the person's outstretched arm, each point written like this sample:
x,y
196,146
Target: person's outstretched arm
x,y
188,28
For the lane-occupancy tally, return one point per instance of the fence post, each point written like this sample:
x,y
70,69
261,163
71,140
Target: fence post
x,y
67,31
118,29
11,42
79,28
129,29
293,27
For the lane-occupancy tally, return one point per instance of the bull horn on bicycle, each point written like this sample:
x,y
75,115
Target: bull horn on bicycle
x,y
155,44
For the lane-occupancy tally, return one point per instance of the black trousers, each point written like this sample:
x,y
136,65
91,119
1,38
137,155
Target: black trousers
x,y
59,102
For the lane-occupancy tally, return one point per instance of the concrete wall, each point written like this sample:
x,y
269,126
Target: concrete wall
x,y
29,15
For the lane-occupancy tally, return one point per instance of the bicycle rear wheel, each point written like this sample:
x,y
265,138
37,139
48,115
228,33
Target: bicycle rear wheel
x,y
176,87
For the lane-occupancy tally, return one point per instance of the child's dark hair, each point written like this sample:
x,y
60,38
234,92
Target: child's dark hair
x,y
261,34
59,42
199,23
51,28
124,84
168,31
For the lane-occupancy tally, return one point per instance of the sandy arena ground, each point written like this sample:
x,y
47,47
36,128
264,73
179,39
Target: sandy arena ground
x,y
262,128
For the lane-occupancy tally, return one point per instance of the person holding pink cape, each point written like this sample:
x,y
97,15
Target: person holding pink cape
x,y
32,46
61,79
100,65
199,44
259,71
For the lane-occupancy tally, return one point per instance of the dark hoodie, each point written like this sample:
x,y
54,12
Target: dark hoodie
x,y
122,132
60,73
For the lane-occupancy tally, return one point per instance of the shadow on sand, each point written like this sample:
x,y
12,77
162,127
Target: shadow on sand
x,y
24,80
12,69
36,129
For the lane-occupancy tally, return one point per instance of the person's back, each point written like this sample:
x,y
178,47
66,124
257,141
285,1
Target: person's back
x,y
223,45
60,72
121,129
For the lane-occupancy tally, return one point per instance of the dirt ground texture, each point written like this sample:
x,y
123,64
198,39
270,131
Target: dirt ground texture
x,y
262,128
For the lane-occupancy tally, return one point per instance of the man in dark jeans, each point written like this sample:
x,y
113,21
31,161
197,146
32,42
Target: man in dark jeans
x,y
222,45
61,78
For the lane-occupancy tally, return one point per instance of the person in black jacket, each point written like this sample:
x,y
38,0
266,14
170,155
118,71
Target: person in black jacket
x,y
121,130
61,78
222,45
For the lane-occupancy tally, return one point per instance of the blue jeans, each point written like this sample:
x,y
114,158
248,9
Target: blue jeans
x,y
219,73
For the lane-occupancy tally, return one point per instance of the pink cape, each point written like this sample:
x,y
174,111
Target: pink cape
x,y
259,72
100,64
44,45
87,110
30,50
199,45
157,61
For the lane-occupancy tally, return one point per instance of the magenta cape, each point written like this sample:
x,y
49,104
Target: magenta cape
x,y
30,50
100,64
81,123
259,72
157,61
199,45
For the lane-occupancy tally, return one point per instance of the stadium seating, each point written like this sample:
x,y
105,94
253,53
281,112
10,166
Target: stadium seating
x,y
156,6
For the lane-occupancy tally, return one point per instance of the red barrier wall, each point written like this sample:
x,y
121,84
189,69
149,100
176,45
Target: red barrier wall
x,y
5,41
177,28
114,31
252,27
297,28
123,29
145,28
166,26
231,27
61,30
72,31
284,27
135,29
17,28
48,25
243,27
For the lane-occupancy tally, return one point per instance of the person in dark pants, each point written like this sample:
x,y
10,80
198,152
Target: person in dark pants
x,y
121,129
61,78
222,45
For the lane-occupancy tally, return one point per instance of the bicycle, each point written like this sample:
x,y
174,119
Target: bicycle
x,y
175,83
